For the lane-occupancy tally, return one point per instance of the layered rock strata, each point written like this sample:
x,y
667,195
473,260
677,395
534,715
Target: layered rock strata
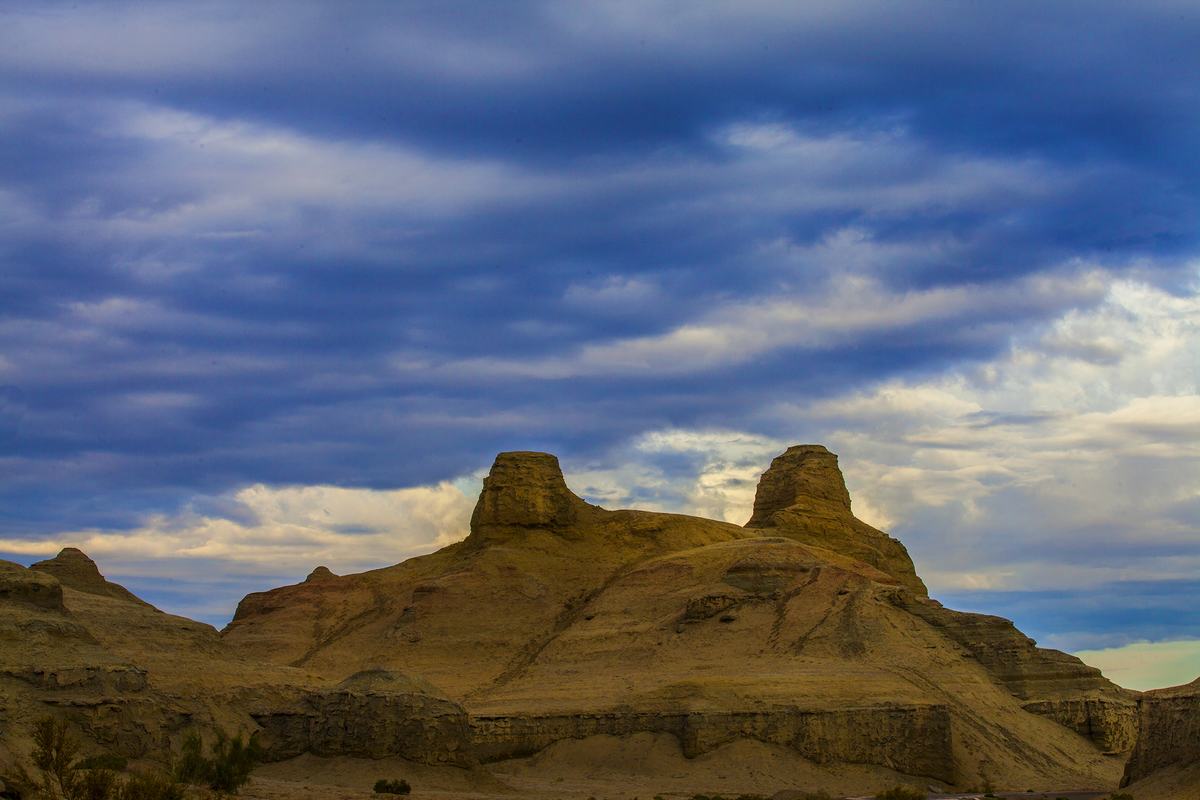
x,y
133,681
912,740
556,619
1168,732
1050,683
369,715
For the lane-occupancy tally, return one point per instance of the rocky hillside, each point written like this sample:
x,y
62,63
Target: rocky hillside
x,y
134,681
558,627
557,620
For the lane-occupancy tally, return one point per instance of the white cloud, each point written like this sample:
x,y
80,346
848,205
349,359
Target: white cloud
x,y
1046,468
742,332
1147,665
238,170
616,293
727,466
273,530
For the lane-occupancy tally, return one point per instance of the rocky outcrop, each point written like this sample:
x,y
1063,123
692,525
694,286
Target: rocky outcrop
x,y
369,715
557,619
804,476
107,680
1053,684
1110,722
1168,732
320,574
74,569
1026,670
803,496
912,740
131,680
19,585
524,490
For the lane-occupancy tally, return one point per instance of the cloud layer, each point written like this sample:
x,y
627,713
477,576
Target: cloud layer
x,y
257,260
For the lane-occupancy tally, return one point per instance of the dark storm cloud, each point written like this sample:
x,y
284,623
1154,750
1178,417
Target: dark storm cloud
x,y
371,244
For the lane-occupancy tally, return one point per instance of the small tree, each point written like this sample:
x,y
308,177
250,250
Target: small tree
x,y
232,761
63,776
54,754
190,765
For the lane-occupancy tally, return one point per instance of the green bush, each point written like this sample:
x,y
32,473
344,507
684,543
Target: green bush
x,y
901,793
227,766
190,765
383,786
150,786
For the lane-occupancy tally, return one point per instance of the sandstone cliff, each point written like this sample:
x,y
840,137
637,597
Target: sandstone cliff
x,y
557,620
1168,740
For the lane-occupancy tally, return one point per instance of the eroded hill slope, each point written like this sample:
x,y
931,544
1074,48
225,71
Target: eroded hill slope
x,y
556,620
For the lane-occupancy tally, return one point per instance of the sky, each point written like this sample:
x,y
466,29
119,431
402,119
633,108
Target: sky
x,y
278,280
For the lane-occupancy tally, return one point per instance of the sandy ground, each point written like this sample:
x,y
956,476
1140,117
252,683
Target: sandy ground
x,y
1172,783
639,767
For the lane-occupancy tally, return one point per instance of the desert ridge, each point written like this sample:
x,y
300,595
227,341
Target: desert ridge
x,y
557,623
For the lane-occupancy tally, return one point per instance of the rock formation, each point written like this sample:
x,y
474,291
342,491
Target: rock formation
x,y
804,497
133,680
74,569
557,621
1168,740
372,714
525,491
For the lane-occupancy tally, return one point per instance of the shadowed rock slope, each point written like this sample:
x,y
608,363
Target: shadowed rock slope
x,y
1166,759
133,680
558,620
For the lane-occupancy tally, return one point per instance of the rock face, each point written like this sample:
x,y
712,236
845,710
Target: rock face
x,y
320,574
806,628
369,715
524,491
805,476
74,569
19,586
803,496
915,741
1168,736
1052,684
